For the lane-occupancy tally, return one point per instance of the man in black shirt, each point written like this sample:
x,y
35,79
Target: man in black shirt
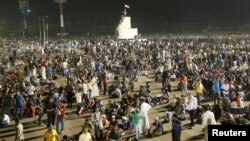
x,y
114,134
51,111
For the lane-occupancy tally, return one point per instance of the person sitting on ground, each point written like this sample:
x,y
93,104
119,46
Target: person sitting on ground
x,y
247,112
227,118
66,138
113,122
184,100
238,101
217,110
179,109
165,97
225,103
105,122
4,119
85,135
30,110
109,106
90,126
117,93
156,129
114,135
125,123
240,92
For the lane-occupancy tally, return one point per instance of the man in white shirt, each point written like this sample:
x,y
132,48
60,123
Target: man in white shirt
x,y
145,107
225,88
191,108
19,131
207,119
30,89
65,67
85,90
78,96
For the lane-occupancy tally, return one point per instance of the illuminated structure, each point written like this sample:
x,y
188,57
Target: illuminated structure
x,y
124,30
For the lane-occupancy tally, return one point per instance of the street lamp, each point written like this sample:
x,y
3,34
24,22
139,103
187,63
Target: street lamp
x,y
24,8
47,28
61,2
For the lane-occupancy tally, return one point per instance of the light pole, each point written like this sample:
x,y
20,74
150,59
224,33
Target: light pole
x,y
47,28
24,8
40,31
61,2
44,31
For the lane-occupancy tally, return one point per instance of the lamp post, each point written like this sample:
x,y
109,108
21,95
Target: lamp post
x,y
40,31
44,31
61,2
24,8
47,28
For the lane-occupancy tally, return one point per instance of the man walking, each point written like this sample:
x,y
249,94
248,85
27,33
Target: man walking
x,y
19,131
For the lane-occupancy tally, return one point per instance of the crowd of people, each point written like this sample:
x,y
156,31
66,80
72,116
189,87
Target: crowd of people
x,y
217,70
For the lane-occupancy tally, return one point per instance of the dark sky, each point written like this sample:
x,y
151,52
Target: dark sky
x,y
196,11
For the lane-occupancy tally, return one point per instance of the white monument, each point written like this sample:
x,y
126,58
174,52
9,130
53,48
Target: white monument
x,y
124,30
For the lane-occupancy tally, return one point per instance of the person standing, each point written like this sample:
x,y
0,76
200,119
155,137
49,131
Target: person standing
x,y
184,83
60,117
19,101
30,89
19,130
144,112
199,88
95,89
78,96
96,119
65,67
105,82
216,92
225,87
51,134
85,91
164,78
191,107
176,128
70,93
39,109
6,103
51,111
208,118
136,122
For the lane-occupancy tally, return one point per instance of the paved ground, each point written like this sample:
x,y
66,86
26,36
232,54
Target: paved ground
x,y
73,123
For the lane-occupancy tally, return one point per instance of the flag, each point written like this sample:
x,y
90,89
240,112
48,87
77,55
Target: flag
x,y
126,6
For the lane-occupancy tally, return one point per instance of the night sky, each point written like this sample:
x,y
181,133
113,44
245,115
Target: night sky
x,y
194,11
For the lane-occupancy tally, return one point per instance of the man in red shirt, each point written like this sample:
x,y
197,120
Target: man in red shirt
x,y
104,81
60,117
184,83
